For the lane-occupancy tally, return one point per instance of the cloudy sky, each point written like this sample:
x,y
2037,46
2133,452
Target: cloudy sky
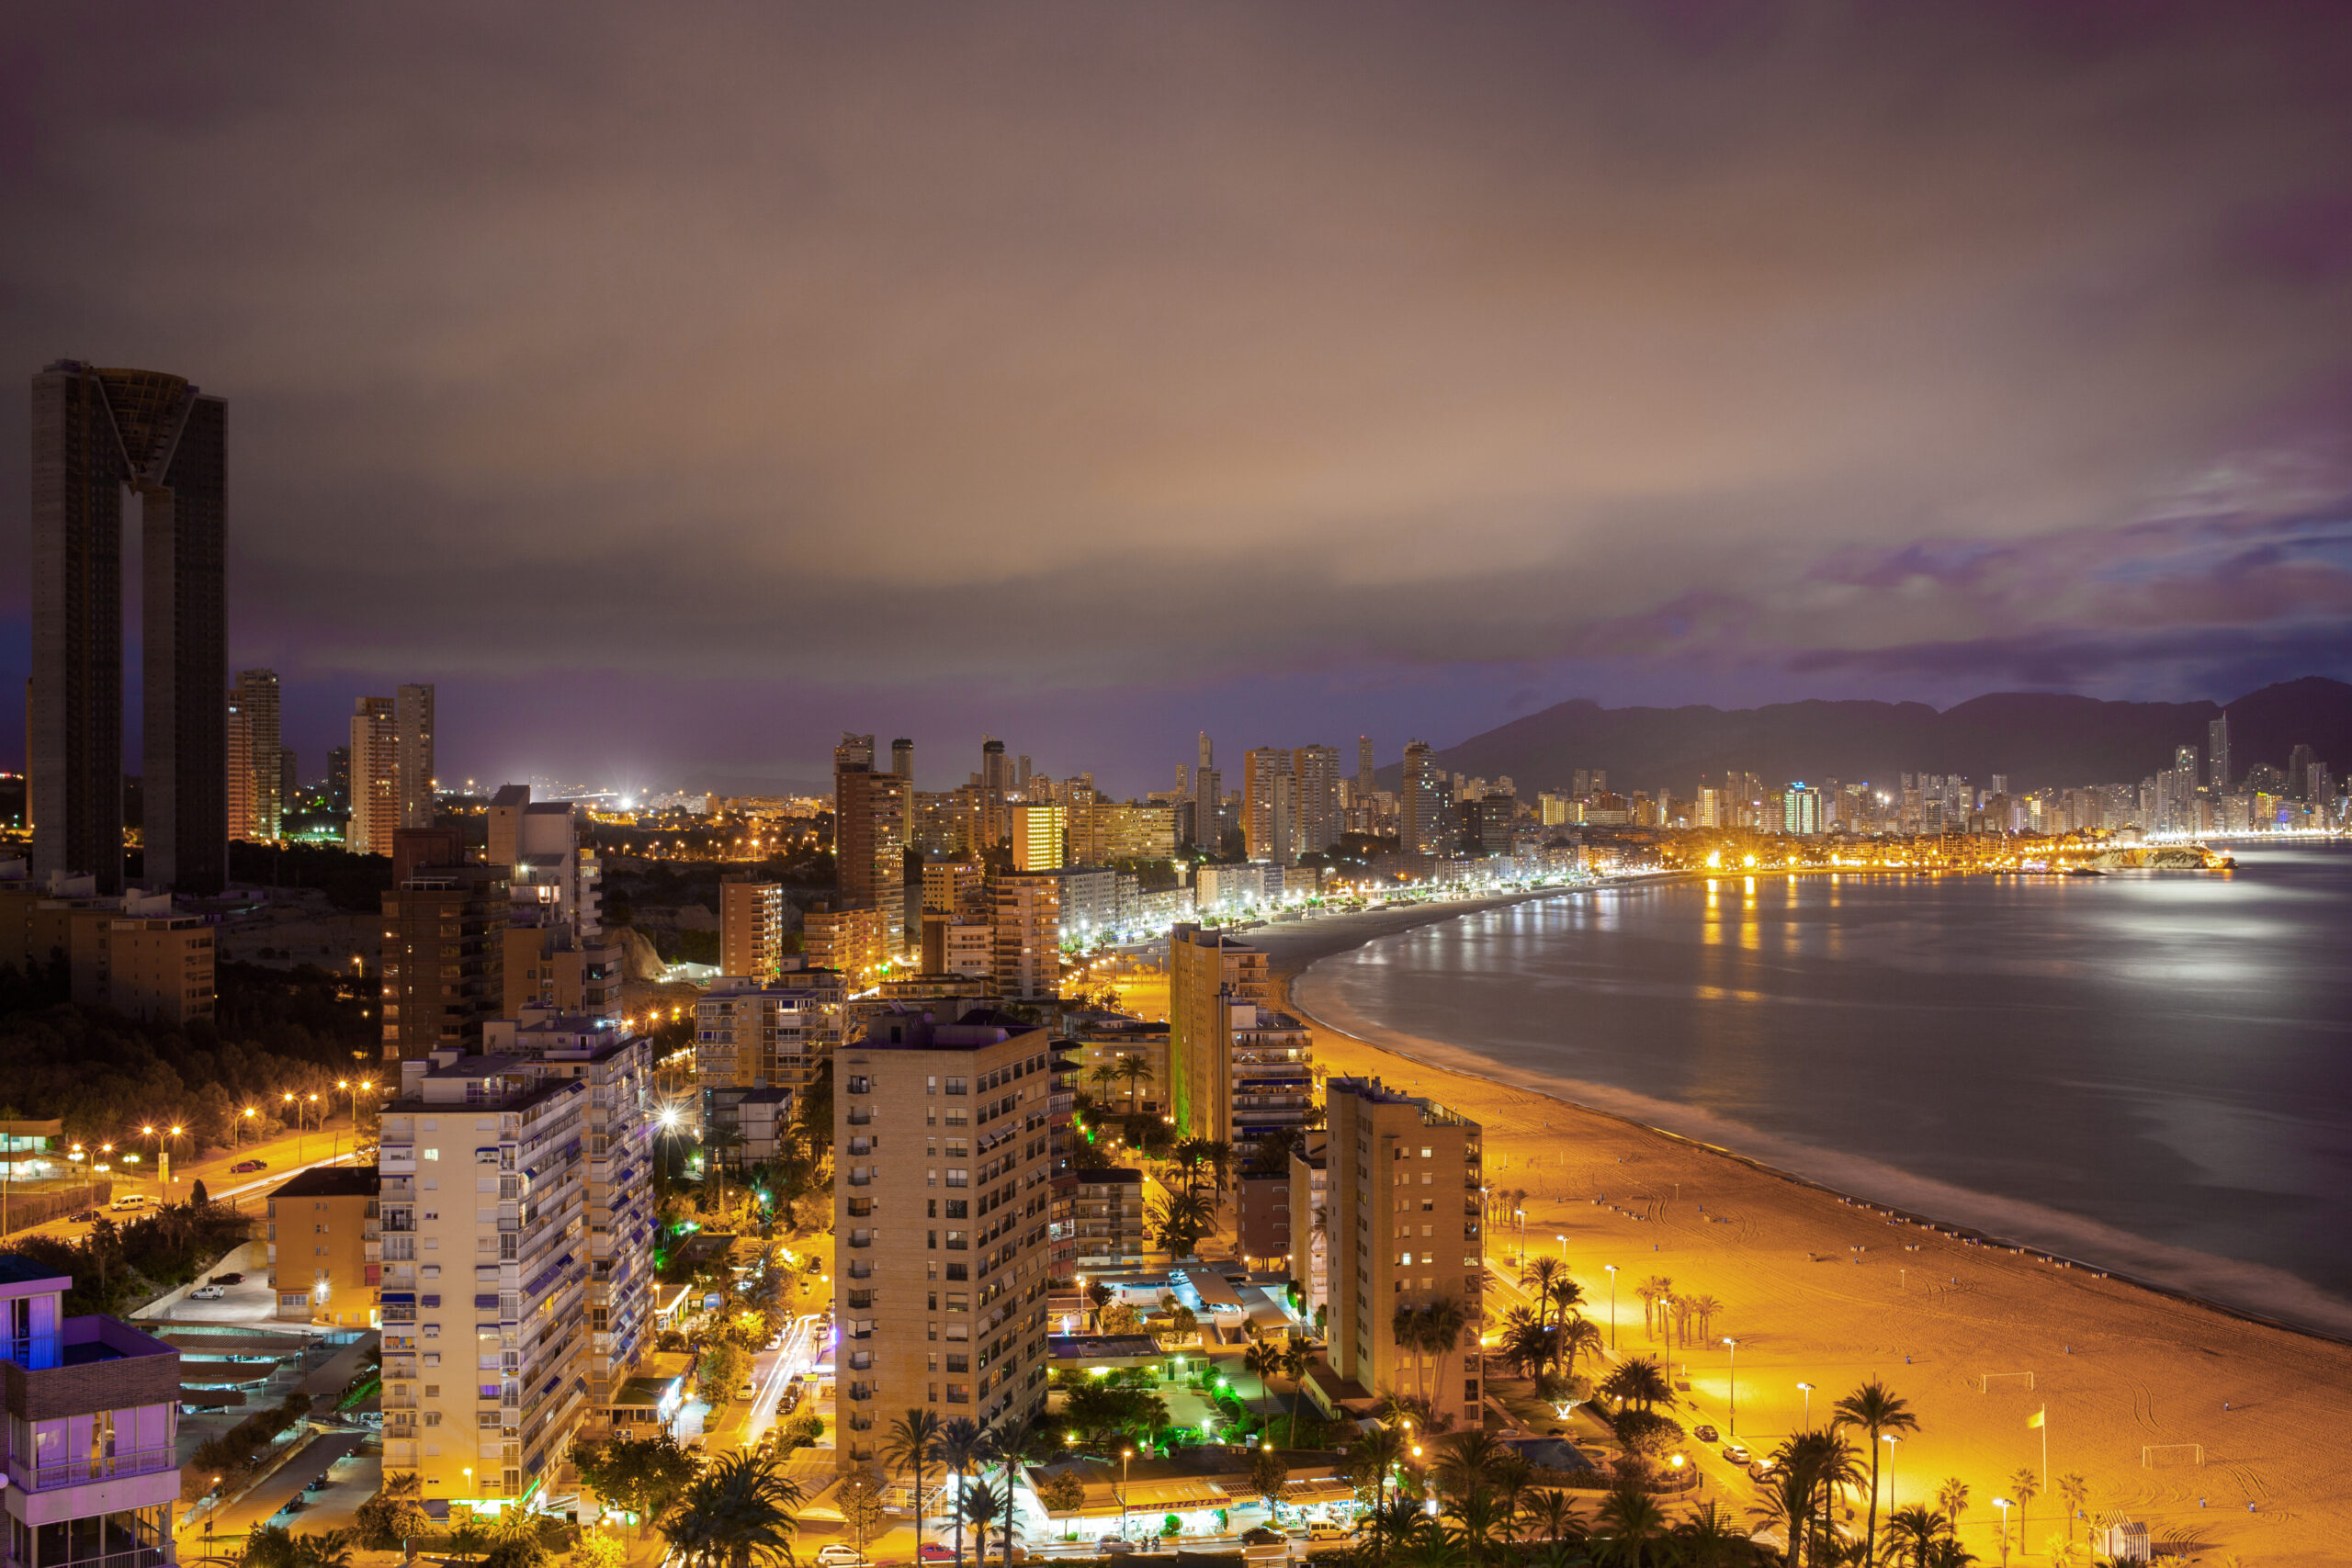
x,y
676,386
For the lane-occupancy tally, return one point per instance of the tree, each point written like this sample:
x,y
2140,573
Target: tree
x,y
269,1546
1952,1498
1268,1474
909,1447
1628,1521
195,1195
1876,1413
1914,1530
1646,1432
597,1550
1555,1517
1653,1291
2025,1486
1261,1362
467,1539
720,1370
1640,1382
1576,1334
859,1498
1296,1362
1062,1493
983,1505
516,1541
958,1448
2076,1493
736,1515
395,1514
638,1475
1566,1295
1183,1324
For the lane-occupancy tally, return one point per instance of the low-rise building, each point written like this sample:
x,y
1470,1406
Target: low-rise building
x,y
325,1246
1310,1212
1107,1218
92,1427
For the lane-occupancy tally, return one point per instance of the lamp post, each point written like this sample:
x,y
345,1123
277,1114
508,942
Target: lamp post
x,y
1612,1270
295,1106
2003,1504
1808,1404
244,1125
1126,1456
1890,1439
1735,1383
1521,1214
1564,1249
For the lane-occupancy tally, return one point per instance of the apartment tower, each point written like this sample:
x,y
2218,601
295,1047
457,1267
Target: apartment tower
x,y
940,1291
1208,971
1426,803
1402,1189
750,927
94,433
375,777
256,760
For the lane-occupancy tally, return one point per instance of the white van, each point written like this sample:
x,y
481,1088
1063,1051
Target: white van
x,y
129,1201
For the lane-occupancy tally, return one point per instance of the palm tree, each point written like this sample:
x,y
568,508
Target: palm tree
x,y
1949,1554
1103,1074
1628,1521
1296,1362
1576,1333
1378,1450
1566,1294
1009,1445
1640,1382
1540,1274
328,1549
1406,1325
1952,1498
1705,1308
737,1513
983,1505
1554,1517
1443,1324
1261,1362
1652,1290
958,1449
2077,1493
1786,1505
1914,1530
1816,1464
1135,1070
1876,1413
1708,1539
2025,1486
1464,1459
909,1447
1390,1525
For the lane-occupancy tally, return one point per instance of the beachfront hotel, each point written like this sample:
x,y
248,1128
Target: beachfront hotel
x,y
1402,1177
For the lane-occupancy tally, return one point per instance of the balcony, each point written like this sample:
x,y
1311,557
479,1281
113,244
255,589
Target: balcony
x,y
81,1470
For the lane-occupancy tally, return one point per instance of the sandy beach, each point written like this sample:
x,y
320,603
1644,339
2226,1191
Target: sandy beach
x,y
2219,1433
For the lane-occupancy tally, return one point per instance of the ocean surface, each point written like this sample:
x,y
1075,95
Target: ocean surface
x,y
2149,1070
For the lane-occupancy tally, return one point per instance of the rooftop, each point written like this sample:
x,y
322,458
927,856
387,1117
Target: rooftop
x,y
332,1181
18,1270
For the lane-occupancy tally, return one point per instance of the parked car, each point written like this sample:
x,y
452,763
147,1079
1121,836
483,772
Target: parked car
x,y
1706,1434
293,1505
791,1399
207,1293
1760,1471
1321,1531
1735,1453
1114,1546
318,1483
228,1279
86,1217
839,1554
747,1389
933,1552
1259,1535
129,1201
244,1166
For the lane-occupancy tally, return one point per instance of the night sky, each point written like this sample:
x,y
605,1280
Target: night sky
x,y
676,386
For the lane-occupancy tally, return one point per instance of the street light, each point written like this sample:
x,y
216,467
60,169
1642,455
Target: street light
x,y
1125,1457
1890,1439
1735,1383
1808,1404
1612,1270
1564,1249
243,1124
2005,1505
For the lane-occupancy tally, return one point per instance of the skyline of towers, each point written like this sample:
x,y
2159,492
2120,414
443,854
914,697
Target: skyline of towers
x,y
95,433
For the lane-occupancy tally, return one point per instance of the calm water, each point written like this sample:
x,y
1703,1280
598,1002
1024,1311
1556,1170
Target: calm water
x,y
2095,1064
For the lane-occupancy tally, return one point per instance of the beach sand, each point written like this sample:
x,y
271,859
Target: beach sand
x,y
2129,1376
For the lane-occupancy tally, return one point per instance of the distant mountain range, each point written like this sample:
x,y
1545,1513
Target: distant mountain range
x,y
2036,739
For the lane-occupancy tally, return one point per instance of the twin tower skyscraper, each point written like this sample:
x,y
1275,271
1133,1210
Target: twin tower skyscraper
x,y
97,433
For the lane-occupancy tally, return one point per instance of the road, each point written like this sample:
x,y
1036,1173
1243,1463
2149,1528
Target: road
x,y
281,1158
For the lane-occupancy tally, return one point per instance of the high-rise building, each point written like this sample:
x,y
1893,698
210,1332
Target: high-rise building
x,y
750,927
902,760
94,433
1269,804
413,716
94,1413
2217,747
1800,811
444,956
1403,1177
256,762
771,1035
1365,788
2300,760
869,831
1208,974
1425,803
339,778
1316,823
1040,837
1025,909
939,1293
375,777
1207,786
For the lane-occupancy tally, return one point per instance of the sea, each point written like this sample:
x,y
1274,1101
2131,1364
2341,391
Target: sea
x,y
2149,1071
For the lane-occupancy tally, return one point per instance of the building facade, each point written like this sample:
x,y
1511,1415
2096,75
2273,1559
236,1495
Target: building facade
x,y
375,768
443,958
1404,1229
940,1288
750,927
325,1241
93,1413
1026,926
1208,971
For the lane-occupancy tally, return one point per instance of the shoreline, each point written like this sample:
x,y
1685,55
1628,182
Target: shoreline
x,y
2146,1354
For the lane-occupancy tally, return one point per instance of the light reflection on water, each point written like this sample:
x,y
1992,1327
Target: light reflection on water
x,y
2168,1053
